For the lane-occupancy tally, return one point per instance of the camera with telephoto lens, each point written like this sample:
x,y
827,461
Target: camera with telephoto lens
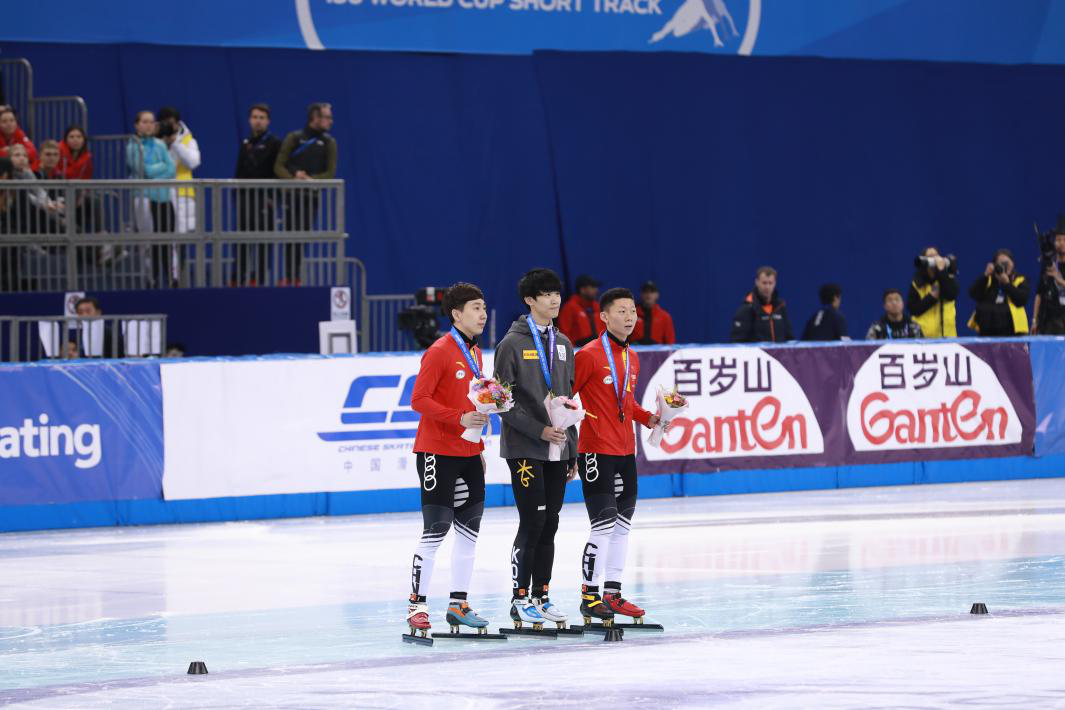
x,y
1047,253
999,269
929,262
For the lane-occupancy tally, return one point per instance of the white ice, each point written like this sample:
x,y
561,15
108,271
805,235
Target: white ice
x,y
834,599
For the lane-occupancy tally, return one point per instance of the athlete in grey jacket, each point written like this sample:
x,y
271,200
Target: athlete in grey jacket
x,y
536,358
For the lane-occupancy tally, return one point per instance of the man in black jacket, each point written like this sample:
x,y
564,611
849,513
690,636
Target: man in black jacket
x,y
828,323
308,154
894,324
763,317
255,206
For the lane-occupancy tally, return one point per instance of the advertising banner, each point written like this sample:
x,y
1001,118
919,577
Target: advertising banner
x,y
257,427
756,407
80,432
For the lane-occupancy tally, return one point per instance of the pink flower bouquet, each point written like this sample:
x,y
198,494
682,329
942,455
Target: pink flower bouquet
x,y
489,396
670,404
563,413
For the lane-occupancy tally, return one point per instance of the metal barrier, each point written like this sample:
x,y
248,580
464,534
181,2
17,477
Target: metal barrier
x,y
384,334
111,157
32,338
50,116
58,235
16,87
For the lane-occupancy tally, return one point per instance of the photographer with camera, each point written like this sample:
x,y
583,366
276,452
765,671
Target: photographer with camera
x,y
933,293
1000,294
1048,313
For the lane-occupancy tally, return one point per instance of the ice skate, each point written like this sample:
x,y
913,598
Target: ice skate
x,y
550,612
593,609
623,607
418,621
460,615
527,620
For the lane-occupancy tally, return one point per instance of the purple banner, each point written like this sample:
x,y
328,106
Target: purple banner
x,y
774,407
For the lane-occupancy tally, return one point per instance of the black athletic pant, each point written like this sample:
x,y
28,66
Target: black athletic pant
x,y
452,492
610,488
539,487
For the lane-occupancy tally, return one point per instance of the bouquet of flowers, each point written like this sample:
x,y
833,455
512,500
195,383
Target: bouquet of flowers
x,y
489,396
563,413
670,404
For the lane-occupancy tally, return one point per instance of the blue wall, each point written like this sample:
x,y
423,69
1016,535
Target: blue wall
x,y
688,169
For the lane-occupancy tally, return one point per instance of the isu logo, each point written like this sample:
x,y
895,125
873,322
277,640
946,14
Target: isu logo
x,y
743,402
928,396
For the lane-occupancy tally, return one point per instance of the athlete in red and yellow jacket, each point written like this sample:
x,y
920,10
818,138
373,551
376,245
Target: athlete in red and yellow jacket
x,y
450,469
605,378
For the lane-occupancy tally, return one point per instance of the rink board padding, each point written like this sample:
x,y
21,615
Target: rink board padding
x,y
136,442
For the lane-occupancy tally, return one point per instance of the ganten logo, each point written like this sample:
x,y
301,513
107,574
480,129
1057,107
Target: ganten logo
x,y
367,424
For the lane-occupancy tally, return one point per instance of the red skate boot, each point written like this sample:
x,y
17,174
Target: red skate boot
x,y
619,605
418,621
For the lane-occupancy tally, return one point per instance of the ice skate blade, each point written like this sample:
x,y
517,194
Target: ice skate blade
x,y
570,631
531,633
470,637
418,640
633,626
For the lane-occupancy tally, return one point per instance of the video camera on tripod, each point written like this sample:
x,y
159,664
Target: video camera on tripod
x,y
422,320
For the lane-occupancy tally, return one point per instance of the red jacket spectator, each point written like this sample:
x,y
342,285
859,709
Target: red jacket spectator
x,y
10,134
579,320
662,332
77,167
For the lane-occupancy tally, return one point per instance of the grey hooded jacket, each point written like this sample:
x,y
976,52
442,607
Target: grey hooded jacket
x,y
516,362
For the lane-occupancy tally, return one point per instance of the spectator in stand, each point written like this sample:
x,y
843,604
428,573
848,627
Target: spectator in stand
x,y
894,324
174,350
89,307
149,159
307,154
579,317
185,152
1001,295
48,167
763,317
76,162
11,134
653,324
933,293
255,207
828,323
8,258
36,212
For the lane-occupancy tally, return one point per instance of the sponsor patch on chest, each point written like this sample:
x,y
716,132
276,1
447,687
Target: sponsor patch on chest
x,y
529,355
561,350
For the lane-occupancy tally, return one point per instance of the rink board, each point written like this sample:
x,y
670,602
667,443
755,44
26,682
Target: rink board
x,y
132,442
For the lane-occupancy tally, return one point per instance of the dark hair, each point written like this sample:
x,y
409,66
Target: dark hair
x,y
11,110
140,113
614,294
769,270
828,293
1004,252
537,282
315,110
75,127
6,167
168,112
458,296
889,291
89,299
260,107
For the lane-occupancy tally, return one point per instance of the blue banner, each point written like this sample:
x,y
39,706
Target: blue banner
x,y
80,432
993,31
1048,364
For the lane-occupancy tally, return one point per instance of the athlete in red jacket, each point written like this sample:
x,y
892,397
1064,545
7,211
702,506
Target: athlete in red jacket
x,y
605,379
450,469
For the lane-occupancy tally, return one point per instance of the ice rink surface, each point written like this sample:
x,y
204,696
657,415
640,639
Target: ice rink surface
x,y
835,599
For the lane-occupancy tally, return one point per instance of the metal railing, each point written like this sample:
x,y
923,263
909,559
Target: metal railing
x,y
16,87
60,235
111,157
50,116
382,315
32,338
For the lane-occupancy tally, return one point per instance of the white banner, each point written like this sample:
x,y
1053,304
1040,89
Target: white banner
x,y
259,427
743,402
928,396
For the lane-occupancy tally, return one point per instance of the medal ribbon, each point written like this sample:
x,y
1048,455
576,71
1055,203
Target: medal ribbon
x,y
546,366
619,388
457,337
